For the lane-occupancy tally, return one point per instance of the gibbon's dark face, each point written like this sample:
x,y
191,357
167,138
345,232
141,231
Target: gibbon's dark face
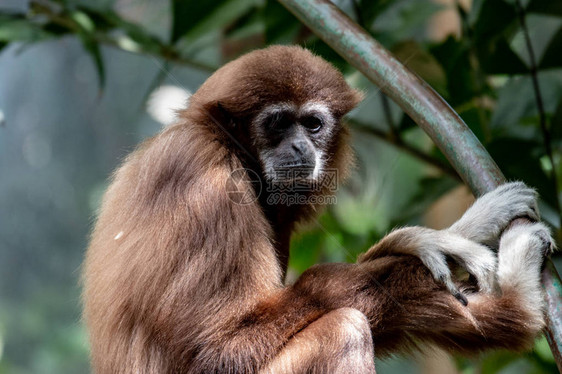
x,y
293,139
284,106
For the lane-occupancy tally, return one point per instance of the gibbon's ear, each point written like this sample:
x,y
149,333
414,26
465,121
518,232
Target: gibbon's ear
x,y
221,115
354,98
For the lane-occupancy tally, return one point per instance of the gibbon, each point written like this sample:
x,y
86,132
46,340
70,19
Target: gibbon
x,y
185,270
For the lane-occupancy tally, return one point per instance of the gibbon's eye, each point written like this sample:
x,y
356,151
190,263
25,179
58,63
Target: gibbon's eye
x,y
312,123
278,121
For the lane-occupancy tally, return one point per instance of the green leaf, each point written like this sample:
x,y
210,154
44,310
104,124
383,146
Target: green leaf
x,y
249,25
497,57
453,55
541,31
552,57
86,32
18,29
55,29
370,9
281,26
516,101
93,49
133,38
84,21
405,20
550,7
192,18
496,23
104,20
494,18
519,159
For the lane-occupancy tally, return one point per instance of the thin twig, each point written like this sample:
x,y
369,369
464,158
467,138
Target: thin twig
x,y
400,144
547,140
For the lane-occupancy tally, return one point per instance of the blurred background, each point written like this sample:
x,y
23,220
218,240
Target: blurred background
x,y
77,77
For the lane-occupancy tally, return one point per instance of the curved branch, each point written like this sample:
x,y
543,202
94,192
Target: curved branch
x,y
430,112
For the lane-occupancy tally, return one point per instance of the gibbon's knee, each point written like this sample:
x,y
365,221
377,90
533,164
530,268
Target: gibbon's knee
x,y
339,342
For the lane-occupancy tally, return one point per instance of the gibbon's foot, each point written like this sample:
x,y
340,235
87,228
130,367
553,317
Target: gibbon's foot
x,y
492,213
523,249
468,241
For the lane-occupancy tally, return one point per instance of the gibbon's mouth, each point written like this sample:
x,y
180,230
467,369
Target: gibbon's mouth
x,y
292,171
295,165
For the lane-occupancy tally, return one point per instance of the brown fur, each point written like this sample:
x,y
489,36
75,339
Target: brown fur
x,y
180,279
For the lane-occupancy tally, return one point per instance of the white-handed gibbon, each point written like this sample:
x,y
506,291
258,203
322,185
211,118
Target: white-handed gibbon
x,y
183,276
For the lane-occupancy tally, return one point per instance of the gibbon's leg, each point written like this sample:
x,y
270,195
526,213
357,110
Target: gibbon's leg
x,y
467,240
339,342
485,220
321,323
520,258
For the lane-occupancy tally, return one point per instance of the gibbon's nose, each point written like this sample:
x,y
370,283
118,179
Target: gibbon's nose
x,y
300,147
303,153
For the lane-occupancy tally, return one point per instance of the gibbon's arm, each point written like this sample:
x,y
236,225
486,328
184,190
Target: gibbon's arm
x,y
328,320
467,241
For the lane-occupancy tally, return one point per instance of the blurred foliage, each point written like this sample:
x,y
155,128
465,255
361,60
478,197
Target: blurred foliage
x,y
501,71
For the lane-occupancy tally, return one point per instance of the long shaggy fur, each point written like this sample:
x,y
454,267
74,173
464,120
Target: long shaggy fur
x,y
178,278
